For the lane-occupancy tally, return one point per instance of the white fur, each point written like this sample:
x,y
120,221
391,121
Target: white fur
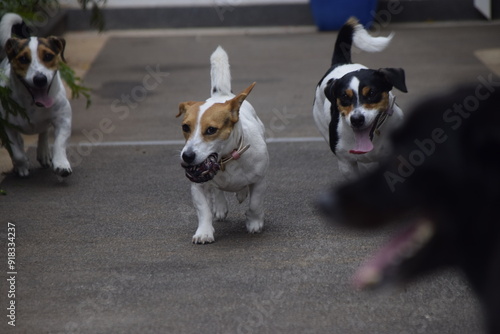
x,y
40,119
220,72
363,40
245,176
351,164
8,20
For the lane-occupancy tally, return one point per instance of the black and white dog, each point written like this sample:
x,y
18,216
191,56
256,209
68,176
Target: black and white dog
x,y
31,72
354,107
442,182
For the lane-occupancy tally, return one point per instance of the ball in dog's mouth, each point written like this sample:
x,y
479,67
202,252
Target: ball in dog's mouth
x,y
203,172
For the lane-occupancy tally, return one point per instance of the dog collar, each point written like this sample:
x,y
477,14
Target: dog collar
x,y
381,118
234,155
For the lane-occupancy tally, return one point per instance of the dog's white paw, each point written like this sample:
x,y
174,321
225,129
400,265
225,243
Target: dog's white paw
x,y
22,171
203,236
44,158
21,167
220,210
62,168
254,226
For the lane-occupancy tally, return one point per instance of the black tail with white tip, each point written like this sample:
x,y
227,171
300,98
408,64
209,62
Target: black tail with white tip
x,y
352,32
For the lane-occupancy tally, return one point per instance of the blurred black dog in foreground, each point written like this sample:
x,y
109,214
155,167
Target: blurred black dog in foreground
x,y
443,180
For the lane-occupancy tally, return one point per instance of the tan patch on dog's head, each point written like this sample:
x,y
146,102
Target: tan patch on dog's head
x,y
19,55
190,110
345,102
51,51
218,120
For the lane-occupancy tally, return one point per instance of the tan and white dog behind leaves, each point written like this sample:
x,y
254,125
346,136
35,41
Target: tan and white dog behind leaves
x,y
31,72
225,151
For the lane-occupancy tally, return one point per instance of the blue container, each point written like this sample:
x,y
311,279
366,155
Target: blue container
x,y
332,14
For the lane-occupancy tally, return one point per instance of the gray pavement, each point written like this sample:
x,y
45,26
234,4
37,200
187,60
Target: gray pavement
x,y
109,249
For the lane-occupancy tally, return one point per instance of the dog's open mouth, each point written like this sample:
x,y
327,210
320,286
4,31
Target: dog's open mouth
x,y
203,172
363,141
384,264
41,97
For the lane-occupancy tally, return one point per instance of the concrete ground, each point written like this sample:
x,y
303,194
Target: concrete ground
x,y
108,250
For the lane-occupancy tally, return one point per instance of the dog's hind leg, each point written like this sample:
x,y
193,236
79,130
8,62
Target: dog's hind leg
x,y
202,203
255,213
242,195
43,151
219,204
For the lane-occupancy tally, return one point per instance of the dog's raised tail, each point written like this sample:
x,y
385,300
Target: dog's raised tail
x,y
220,73
9,21
352,32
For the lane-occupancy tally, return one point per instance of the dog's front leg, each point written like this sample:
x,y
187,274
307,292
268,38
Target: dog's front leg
x,y
349,169
219,204
60,163
42,151
255,213
201,200
19,159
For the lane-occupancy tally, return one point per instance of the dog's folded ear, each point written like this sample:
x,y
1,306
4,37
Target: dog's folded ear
x,y
58,44
12,47
329,88
237,101
396,77
184,106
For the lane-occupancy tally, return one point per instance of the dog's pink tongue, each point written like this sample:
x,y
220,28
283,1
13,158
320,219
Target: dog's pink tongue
x,y
42,98
363,142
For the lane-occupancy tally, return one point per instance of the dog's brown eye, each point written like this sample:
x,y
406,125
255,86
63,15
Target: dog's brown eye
x,y
210,130
23,60
48,57
186,128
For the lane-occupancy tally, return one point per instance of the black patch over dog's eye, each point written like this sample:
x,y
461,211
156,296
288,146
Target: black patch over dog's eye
x,y
48,57
186,128
373,95
24,60
210,130
345,100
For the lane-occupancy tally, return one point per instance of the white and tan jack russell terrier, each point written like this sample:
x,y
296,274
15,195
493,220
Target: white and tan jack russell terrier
x,y
225,151
31,72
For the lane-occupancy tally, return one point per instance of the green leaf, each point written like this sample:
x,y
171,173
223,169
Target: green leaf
x,y
11,108
74,83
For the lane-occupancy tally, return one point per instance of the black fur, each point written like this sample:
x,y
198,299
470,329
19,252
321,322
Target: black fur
x,y
342,50
454,182
21,30
343,44
341,56
382,80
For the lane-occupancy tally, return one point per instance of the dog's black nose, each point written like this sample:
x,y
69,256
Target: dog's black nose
x,y
188,157
357,120
40,80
